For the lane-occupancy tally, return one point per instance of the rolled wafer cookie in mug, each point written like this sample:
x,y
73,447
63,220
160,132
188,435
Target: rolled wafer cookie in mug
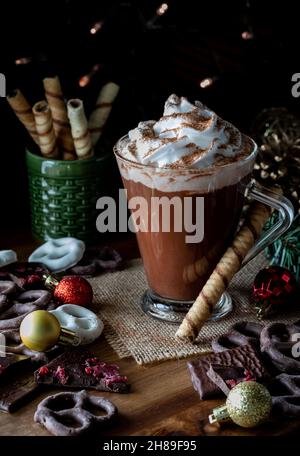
x,y
23,111
55,98
79,129
199,268
228,265
102,110
45,130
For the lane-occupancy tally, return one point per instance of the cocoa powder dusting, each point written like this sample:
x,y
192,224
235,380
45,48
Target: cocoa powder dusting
x,y
162,141
187,160
132,149
190,145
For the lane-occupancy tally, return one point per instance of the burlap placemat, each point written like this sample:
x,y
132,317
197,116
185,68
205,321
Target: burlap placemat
x,y
132,333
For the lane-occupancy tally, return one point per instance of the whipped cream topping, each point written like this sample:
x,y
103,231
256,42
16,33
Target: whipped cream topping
x,y
188,135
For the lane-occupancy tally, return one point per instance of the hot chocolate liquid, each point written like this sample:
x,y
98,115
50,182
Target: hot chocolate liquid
x,y
176,269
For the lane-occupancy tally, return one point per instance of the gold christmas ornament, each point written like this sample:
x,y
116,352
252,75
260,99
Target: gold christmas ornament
x,y
248,404
40,330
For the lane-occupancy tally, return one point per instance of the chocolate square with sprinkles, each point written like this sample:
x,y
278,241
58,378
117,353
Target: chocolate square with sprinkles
x,y
245,357
78,368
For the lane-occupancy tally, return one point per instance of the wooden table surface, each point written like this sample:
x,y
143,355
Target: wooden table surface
x,y
162,400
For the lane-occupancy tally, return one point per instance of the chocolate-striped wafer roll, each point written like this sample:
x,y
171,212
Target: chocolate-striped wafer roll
x,y
102,110
79,128
23,111
192,272
61,124
219,280
45,130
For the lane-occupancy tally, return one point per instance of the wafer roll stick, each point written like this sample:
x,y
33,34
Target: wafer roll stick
x,y
194,271
55,98
219,280
23,111
102,110
79,128
45,130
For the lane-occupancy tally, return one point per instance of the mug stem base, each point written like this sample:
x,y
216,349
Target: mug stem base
x,y
174,311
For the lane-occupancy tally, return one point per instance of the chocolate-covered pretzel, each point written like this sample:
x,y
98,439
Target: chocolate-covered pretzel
x,y
296,325
37,298
14,345
4,303
21,349
26,302
95,260
276,342
70,414
12,317
15,304
285,391
7,287
7,276
241,333
12,336
25,275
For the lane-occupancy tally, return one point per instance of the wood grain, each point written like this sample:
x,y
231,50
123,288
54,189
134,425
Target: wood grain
x,y
162,400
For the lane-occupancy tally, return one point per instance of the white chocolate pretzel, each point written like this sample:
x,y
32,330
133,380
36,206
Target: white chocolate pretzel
x,y
7,257
59,254
85,323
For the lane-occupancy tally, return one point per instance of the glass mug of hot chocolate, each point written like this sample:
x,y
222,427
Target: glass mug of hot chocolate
x,y
186,178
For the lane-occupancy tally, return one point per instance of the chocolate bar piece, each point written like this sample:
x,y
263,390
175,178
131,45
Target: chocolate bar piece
x,y
8,362
244,357
17,389
78,368
226,377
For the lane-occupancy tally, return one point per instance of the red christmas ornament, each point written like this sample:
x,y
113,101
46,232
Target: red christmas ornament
x,y
273,288
71,290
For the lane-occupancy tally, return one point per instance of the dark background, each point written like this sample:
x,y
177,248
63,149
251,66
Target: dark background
x,y
150,56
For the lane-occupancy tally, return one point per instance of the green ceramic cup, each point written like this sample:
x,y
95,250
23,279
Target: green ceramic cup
x,y
63,195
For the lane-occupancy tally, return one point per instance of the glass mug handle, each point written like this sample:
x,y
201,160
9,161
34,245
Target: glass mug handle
x,y
286,215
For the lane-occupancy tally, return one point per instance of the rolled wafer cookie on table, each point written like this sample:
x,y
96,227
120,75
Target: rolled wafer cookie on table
x,y
79,128
23,111
55,98
102,110
228,265
45,130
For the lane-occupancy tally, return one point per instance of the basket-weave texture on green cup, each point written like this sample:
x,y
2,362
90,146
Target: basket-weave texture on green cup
x,y
63,195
